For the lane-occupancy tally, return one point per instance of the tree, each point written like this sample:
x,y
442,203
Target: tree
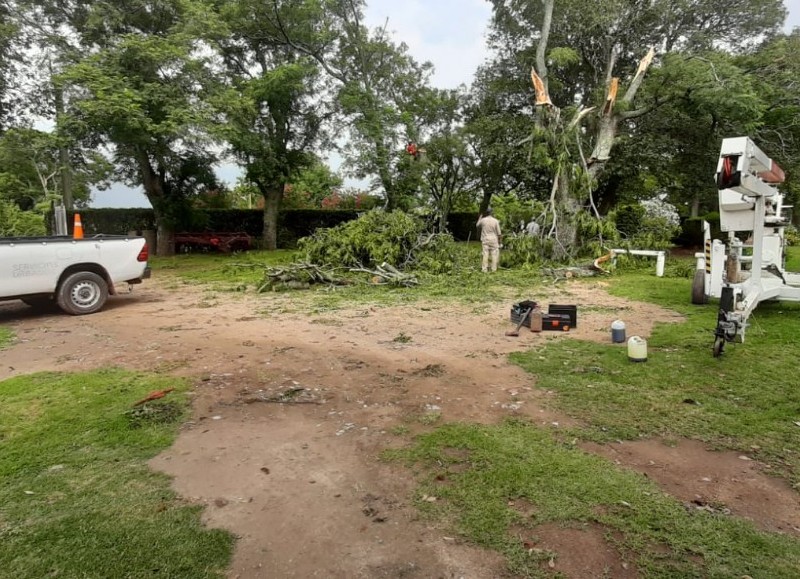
x,y
142,92
30,169
774,69
270,102
447,174
313,184
8,33
380,89
576,53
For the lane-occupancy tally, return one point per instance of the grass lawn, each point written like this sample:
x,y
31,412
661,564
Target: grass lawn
x,y
495,484
76,496
746,400
245,272
6,337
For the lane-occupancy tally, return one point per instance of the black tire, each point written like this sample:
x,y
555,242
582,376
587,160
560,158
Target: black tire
x,y
82,293
699,296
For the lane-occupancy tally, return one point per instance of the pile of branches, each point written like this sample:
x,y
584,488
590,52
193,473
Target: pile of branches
x,y
298,276
378,238
385,274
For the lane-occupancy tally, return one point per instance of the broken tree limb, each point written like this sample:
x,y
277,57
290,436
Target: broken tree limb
x,y
611,98
386,274
542,98
576,120
562,273
297,276
644,64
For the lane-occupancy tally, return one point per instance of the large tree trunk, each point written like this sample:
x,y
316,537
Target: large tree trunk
x,y
486,200
154,190
695,211
63,152
165,238
272,203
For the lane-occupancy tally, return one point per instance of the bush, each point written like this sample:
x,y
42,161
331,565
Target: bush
x,y
17,223
375,237
792,235
628,219
650,225
523,250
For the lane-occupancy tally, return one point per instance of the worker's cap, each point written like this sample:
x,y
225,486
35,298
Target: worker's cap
x,y
489,211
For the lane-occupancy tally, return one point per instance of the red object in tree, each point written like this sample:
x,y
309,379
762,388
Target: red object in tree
x,y
155,395
412,150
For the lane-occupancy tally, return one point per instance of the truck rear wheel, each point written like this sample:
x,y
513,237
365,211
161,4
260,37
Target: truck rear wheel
x,y
82,293
699,296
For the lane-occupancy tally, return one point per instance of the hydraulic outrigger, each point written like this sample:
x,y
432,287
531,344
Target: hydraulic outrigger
x,y
743,274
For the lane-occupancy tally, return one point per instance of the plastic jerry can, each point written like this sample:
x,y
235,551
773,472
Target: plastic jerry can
x,y
637,349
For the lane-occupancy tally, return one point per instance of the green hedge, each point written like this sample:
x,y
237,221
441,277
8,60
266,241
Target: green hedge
x,y
691,234
292,223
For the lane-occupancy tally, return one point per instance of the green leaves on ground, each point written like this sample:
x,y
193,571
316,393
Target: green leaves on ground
x,y
396,238
496,484
77,498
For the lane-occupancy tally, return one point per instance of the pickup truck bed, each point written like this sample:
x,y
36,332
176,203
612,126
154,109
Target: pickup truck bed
x,y
77,274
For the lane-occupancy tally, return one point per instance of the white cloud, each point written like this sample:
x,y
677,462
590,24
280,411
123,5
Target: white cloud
x,y
448,33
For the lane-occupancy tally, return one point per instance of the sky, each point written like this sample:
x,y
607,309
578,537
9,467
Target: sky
x,y
448,33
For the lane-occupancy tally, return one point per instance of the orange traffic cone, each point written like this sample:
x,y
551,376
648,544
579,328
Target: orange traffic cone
x,y
77,228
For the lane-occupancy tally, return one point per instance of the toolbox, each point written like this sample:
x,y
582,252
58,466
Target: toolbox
x,y
518,310
556,322
570,310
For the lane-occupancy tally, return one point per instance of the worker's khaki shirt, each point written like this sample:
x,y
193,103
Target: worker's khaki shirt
x,y
490,230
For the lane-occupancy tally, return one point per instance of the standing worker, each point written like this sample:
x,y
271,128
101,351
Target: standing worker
x,y
490,239
532,230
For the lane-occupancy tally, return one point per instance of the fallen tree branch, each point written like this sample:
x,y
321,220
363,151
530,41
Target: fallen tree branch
x,y
297,276
386,274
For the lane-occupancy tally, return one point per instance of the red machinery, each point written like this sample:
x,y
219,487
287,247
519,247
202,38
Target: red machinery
x,y
225,242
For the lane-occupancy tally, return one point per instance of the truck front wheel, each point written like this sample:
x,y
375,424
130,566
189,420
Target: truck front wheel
x,y
81,293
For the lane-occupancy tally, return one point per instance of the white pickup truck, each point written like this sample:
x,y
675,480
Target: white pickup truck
x,y
77,274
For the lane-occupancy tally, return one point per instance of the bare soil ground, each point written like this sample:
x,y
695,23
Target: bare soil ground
x,y
291,412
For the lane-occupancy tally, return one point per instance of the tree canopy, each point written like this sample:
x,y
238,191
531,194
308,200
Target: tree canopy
x,y
578,110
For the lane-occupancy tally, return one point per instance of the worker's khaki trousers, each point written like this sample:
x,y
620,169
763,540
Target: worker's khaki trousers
x,y
491,252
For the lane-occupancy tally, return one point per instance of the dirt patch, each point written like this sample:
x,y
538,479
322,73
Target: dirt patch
x,y
721,482
291,414
581,552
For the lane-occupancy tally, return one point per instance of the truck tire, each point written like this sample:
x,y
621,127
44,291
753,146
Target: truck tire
x,y
82,293
699,296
